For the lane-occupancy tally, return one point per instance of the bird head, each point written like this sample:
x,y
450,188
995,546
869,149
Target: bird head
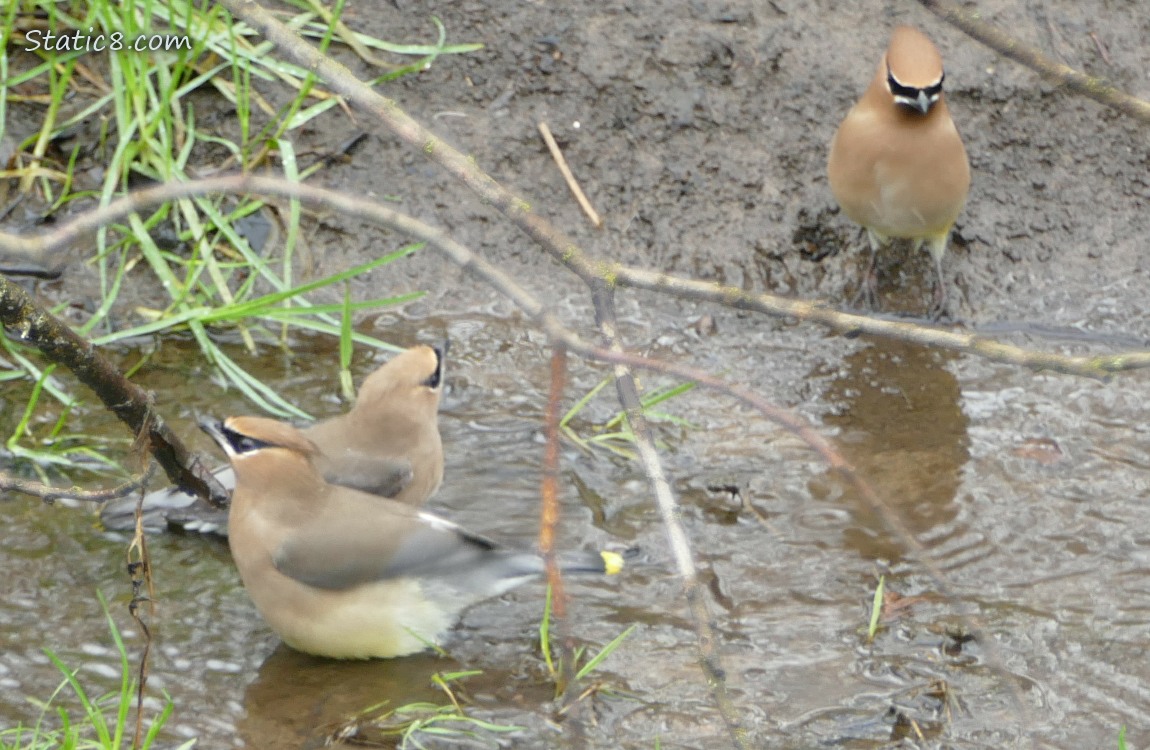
x,y
914,71
411,381
245,439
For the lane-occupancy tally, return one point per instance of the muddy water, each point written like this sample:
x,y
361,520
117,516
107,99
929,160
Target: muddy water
x,y
1026,490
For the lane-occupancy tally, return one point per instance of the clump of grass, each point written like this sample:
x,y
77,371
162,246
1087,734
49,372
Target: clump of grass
x,y
583,669
149,129
615,434
406,726
103,723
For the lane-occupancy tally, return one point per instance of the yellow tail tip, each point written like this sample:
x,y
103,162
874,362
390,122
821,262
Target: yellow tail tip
x,y
612,562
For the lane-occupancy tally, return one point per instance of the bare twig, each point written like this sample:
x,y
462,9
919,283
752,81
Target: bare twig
x,y
549,520
1057,73
1100,367
549,517
51,494
669,512
572,183
140,573
25,319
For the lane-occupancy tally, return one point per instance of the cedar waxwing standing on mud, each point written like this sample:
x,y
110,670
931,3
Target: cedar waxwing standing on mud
x,y
387,445
340,573
897,165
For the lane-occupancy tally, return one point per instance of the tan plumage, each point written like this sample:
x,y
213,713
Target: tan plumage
x,y
340,573
897,165
388,444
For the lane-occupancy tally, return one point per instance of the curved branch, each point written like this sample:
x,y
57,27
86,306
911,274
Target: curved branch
x,y
849,324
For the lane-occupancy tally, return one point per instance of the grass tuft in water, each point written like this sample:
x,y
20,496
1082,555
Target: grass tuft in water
x,y
114,119
103,723
588,666
410,725
615,434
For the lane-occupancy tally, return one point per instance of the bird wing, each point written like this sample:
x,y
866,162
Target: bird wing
x,y
376,475
350,544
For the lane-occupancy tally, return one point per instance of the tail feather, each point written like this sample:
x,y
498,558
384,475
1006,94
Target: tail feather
x,y
604,562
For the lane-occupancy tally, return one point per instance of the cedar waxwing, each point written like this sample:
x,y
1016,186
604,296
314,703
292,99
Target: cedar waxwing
x,y
340,573
388,445
897,165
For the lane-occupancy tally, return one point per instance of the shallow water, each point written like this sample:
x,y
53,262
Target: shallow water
x,y
1045,546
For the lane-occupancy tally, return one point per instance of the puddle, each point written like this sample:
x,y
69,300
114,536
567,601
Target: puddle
x,y
1050,555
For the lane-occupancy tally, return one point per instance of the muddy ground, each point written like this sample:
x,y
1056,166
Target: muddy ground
x,y
699,131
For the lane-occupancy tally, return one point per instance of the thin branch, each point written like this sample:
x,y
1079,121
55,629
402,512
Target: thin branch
x,y
143,592
25,320
548,522
670,513
1055,72
50,494
1099,367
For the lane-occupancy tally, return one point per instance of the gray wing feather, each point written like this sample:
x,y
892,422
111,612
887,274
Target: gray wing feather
x,y
385,477
359,545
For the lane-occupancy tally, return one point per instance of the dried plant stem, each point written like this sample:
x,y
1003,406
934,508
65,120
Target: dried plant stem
x,y
669,512
572,183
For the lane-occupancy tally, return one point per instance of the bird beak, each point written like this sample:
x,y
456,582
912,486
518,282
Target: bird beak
x,y
215,430
922,103
440,350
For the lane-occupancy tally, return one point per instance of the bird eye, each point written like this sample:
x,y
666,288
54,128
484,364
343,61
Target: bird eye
x,y
914,96
243,443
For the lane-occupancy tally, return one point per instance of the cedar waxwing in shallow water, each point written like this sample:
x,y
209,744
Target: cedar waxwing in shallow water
x,y
388,445
897,165
340,573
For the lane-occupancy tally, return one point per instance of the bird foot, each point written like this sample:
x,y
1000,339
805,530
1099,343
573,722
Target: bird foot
x,y
939,308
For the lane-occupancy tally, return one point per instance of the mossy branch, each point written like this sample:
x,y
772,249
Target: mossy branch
x,y
27,321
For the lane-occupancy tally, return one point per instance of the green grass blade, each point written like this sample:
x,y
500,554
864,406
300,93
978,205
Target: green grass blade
x,y
606,651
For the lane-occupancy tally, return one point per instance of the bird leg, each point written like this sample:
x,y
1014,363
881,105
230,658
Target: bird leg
x,y
869,287
937,248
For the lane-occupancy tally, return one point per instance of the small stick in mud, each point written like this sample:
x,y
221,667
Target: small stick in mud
x,y
556,154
